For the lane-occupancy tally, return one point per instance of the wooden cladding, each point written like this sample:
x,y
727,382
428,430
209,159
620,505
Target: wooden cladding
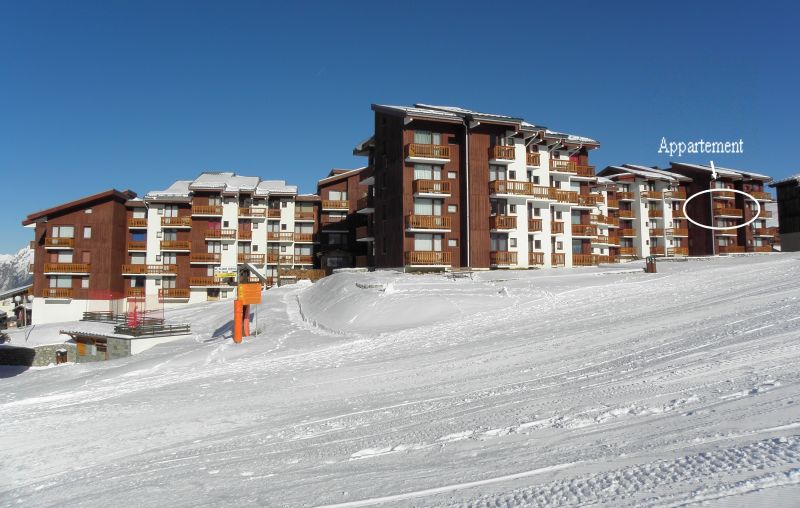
x,y
56,293
436,222
583,230
137,269
258,212
176,245
536,258
760,248
502,153
431,187
502,222
428,151
256,259
534,225
428,258
205,257
206,209
66,268
532,159
64,243
176,222
173,293
137,222
502,257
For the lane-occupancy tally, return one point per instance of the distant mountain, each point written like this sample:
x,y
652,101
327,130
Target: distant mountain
x,y
14,269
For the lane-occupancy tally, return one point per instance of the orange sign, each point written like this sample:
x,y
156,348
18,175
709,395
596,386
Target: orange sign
x,y
250,293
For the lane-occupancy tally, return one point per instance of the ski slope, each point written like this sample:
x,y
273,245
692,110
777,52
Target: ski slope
x,y
596,386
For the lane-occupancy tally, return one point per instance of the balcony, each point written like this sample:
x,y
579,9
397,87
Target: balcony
x,y
653,195
515,188
557,259
245,235
427,223
137,246
730,249
536,258
627,232
675,194
143,269
726,232
255,259
305,215
176,245
173,294
502,222
728,212
59,243
562,166
273,258
656,231
613,203
561,196
428,258
584,171
327,220
764,214
502,258
657,250
653,213
590,200
336,204
678,214
439,153
584,230
137,223
176,222
556,228
626,214
205,258
583,260
273,213
303,259
246,212
431,187
760,248
604,219
280,236
680,231
613,240
220,234
57,293
303,237
761,196
207,210
137,292
532,159
502,154
68,268
208,281
678,251
534,225
627,251
600,240
365,205
723,194
765,231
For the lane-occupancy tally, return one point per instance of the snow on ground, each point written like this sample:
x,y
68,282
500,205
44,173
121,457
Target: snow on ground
x,y
536,388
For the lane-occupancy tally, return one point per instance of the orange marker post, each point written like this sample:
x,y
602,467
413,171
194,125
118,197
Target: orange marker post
x,y
237,321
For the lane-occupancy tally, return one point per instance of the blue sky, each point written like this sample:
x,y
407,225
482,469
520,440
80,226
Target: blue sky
x,y
136,94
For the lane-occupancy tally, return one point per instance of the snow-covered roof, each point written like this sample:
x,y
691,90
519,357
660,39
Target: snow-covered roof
x,y
342,174
571,138
15,291
468,112
418,111
640,171
728,172
225,181
178,189
792,179
673,176
267,187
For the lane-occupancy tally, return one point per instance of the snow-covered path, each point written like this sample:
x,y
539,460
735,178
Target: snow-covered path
x,y
550,388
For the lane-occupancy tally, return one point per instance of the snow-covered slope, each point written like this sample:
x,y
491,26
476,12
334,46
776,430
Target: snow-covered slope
x,y
14,269
545,388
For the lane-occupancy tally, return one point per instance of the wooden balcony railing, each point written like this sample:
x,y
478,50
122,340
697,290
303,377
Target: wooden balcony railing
x,y
133,245
599,258
137,222
365,203
627,232
257,212
653,212
626,214
676,194
64,243
427,222
335,204
502,152
583,260
557,259
220,234
272,257
613,240
428,258
56,293
137,292
149,269
589,199
678,251
306,214
66,268
256,259
303,259
678,213
730,249
176,245
563,196
273,213
245,234
657,250
727,212
516,188
431,187
173,293
656,231
723,194
627,251
206,281
556,227
583,230
765,231
176,222
760,248
326,219
534,225
428,151
625,196
503,222
600,239
761,196
206,209
727,232
604,219
562,166
536,258
680,231
765,214
303,237
613,203
587,171
280,236
205,257
654,195
532,159
502,258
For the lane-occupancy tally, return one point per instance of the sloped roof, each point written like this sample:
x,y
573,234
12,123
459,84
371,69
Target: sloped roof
x,y
674,176
122,196
178,189
792,179
732,173
615,171
335,175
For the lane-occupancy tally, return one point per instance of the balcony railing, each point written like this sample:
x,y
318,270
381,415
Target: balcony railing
x,y
723,194
306,214
761,196
557,259
727,232
760,248
176,222
727,212
176,245
627,251
680,231
280,236
502,258
137,292
137,222
428,151
676,194
657,250
536,258
563,166
66,268
583,260
220,234
730,249
613,203
257,212
516,188
206,209
303,259
275,258
563,196
556,227
204,257
365,203
765,214
654,195
765,231
63,243
583,230
652,212
503,222
173,294
532,159
601,239
613,240
625,196
143,269
332,219
303,237
534,225
656,231
335,204
256,259
502,153
132,245
431,187
206,281
273,213
627,232
604,219
678,213
428,258
678,251
56,293
245,234
586,171
626,214
427,222
589,199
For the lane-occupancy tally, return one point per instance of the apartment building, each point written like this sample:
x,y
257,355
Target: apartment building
x,y
345,229
725,208
788,194
648,205
451,187
79,247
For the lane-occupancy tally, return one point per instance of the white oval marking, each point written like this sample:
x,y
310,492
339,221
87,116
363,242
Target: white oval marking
x,y
746,195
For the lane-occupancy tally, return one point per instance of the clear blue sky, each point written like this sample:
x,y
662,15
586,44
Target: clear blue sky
x,y
136,94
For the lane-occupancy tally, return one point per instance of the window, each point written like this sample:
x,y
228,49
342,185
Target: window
x,y
427,172
499,242
87,232
555,155
63,231
426,206
427,242
427,138
169,258
284,204
64,257
452,175
60,281
512,175
336,195
452,242
559,246
537,244
283,227
87,211
497,172
512,208
512,242
84,282
558,215
170,210
255,247
452,208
